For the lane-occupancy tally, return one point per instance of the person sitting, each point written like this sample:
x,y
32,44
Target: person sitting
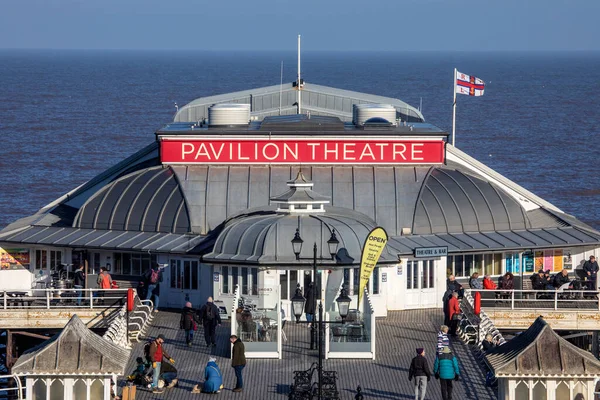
x,y
213,379
474,282
561,279
548,280
488,283
139,376
538,280
488,342
454,286
507,282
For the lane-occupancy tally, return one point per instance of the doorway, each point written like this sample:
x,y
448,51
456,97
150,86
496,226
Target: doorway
x,y
421,291
184,282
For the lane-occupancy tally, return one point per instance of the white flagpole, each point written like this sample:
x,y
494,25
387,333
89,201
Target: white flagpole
x,y
454,109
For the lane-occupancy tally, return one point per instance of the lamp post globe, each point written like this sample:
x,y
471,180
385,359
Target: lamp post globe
x,y
298,304
343,302
297,244
333,243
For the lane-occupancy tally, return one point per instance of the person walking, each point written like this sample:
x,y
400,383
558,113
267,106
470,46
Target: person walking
x,y
210,317
156,353
310,306
104,281
238,361
188,323
153,278
446,370
445,299
419,369
79,283
454,313
442,339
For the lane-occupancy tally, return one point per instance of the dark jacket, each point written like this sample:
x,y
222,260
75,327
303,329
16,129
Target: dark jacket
x,y
453,285
446,366
238,354
591,267
506,283
188,318
79,278
487,345
203,315
310,306
538,282
212,378
419,367
560,279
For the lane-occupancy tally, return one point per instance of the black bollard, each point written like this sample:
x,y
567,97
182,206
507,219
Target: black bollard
x,y
359,395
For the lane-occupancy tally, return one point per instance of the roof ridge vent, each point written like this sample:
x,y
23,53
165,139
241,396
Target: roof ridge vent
x,y
375,112
300,198
229,114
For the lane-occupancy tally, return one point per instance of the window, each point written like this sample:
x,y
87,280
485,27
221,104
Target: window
x,y
283,285
57,390
96,262
234,276
512,263
459,267
468,265
184,274
409,274
293,282
40,260
131,263
55,259
431,267
463,266
254,272
522,391
97,389
244,280
195,274
79,389
478,264
375,279
356,280
346,283
224,279
175,274
39,389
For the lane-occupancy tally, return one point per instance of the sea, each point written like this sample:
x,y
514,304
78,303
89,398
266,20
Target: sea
x,y
67,115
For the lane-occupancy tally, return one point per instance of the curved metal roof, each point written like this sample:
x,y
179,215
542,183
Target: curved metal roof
x,y
264,237
148,200
452,201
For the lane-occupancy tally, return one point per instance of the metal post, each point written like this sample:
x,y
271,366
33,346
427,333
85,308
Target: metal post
x,y
319,332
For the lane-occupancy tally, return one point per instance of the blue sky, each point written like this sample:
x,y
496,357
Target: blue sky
x,y
388,25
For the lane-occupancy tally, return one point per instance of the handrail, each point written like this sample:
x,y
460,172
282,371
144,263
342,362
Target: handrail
x,y
548,299
18,386
47,299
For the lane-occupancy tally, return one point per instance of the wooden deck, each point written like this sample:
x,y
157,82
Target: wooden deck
x,y
385,378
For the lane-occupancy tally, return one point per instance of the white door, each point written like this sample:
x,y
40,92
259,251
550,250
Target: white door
x,y
184,282
421,289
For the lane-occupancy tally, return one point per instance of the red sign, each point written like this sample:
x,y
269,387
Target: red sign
x,y
297,151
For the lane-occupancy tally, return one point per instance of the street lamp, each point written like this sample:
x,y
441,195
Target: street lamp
x,y
298,301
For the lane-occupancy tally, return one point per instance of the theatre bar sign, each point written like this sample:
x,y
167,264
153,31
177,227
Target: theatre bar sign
x,y
425,252
299,151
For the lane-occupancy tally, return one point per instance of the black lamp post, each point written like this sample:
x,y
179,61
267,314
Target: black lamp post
x,y
298,300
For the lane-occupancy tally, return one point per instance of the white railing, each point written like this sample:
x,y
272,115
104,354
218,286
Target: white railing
x,y
16,386
547,299
486,325
372,334
47,299
234,306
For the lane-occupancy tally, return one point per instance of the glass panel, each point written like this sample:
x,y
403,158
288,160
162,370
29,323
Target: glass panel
x,y
293,282
459,266
431,273
79,390
57,390
96,261
540,392
234,276
424,274
225,279
173,273
449,266
580,391
409,275
487,264
478,264
415,274
145,264
126,264
97,389
376,280
187,275
562,391
195,277
522,391
346,283
136,265
254,272
39,390
497,269
355,280
244,280
468,266
283,286
118,267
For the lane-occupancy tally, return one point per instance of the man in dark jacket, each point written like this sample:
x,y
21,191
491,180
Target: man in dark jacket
x,y
538,280
590,268
210,317
446,369
79,283
453,285
310,306
419,369
238,361
561,278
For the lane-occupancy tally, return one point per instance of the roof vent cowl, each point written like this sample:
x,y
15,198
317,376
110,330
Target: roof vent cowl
x,y
229,114
362,113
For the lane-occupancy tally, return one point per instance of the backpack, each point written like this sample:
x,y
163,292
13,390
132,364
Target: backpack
x,y
209,313
147,350
153,276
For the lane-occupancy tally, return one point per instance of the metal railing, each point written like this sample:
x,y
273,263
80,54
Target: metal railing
x,y
547,299
47,299
11,387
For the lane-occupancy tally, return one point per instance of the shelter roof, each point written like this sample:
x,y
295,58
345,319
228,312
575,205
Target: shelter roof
x,y
541,352
76,350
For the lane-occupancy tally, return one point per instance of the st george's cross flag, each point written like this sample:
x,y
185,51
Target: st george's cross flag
x,y
469,85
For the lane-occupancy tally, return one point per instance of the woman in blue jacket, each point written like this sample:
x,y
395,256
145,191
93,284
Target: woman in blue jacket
x,y
446,370
213,380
